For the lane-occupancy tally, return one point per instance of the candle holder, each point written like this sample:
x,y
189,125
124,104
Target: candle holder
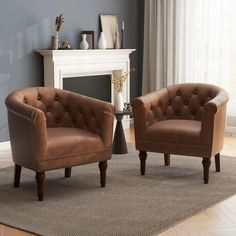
x,y
122,39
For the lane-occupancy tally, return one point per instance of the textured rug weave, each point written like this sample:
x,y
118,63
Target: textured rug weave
x,y
129,205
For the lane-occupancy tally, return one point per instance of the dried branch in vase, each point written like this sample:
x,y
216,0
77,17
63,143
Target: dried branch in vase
x,y
59,23
118,80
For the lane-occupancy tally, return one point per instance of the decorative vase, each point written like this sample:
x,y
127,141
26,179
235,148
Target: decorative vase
x,y
119,103
55,41
102,43
117,40
84,44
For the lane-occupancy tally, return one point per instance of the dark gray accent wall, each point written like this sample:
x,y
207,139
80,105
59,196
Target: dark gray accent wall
x,y
27,25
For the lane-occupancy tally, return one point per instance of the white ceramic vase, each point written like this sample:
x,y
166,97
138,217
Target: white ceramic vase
x,y
84,44
117,40
118,101
102,43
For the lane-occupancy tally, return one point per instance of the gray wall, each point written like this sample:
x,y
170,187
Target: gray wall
x,y
27,25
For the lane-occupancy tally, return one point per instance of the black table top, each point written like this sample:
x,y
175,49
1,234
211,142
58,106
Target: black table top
x,y
123,113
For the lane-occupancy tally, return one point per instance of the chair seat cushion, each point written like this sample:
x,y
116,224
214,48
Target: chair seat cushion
x,y
63,142
175,131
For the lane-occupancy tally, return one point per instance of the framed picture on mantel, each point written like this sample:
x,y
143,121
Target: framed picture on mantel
x,y
109,25
89,38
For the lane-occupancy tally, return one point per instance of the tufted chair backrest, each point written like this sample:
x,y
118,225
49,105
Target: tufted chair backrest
x,y
183,101
61,108
53,102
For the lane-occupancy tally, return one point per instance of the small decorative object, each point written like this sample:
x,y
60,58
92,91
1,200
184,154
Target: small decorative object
x,y
102,43
117,39
118,80
109,27
58,25
84,44
65,45
89,38
128,107
122,46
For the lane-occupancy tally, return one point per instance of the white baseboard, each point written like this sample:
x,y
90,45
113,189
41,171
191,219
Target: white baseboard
x,y
5,146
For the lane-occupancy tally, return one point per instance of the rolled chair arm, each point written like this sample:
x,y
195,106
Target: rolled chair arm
x,y
105,122
217,102
25,111
143,110
213,119
27,129
95,115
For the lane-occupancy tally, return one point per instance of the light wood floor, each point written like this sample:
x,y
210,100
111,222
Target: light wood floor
x,y
219,220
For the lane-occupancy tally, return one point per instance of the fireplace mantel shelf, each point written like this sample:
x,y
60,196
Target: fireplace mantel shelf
x,y
91,52
62,64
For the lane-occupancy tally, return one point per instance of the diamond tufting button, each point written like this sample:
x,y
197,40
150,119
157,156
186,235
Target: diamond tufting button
x,y
48,109
58,121
67,109
195,91
56,98
39,97
186,103
178,93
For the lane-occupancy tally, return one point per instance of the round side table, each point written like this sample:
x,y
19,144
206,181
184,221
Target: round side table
x,y
119,143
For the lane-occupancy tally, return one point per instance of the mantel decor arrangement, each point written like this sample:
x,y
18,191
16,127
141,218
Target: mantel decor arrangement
x,y
110,36
118,80
58,26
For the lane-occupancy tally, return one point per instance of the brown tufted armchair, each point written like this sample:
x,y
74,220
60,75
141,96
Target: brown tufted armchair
x,y
183,119
53,128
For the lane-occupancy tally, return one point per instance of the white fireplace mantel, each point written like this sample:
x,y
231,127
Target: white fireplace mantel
x,y
60,64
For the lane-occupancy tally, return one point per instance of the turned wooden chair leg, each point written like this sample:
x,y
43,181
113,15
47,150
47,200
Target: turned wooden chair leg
x,y
142,157
68,172
103,167
167,159
217,162
17,176
40,178
206,162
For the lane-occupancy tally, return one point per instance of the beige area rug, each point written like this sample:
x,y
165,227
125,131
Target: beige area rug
x,y
129,205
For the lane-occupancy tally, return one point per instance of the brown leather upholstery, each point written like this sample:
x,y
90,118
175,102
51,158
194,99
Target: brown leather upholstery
x,y
53,128
184,119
